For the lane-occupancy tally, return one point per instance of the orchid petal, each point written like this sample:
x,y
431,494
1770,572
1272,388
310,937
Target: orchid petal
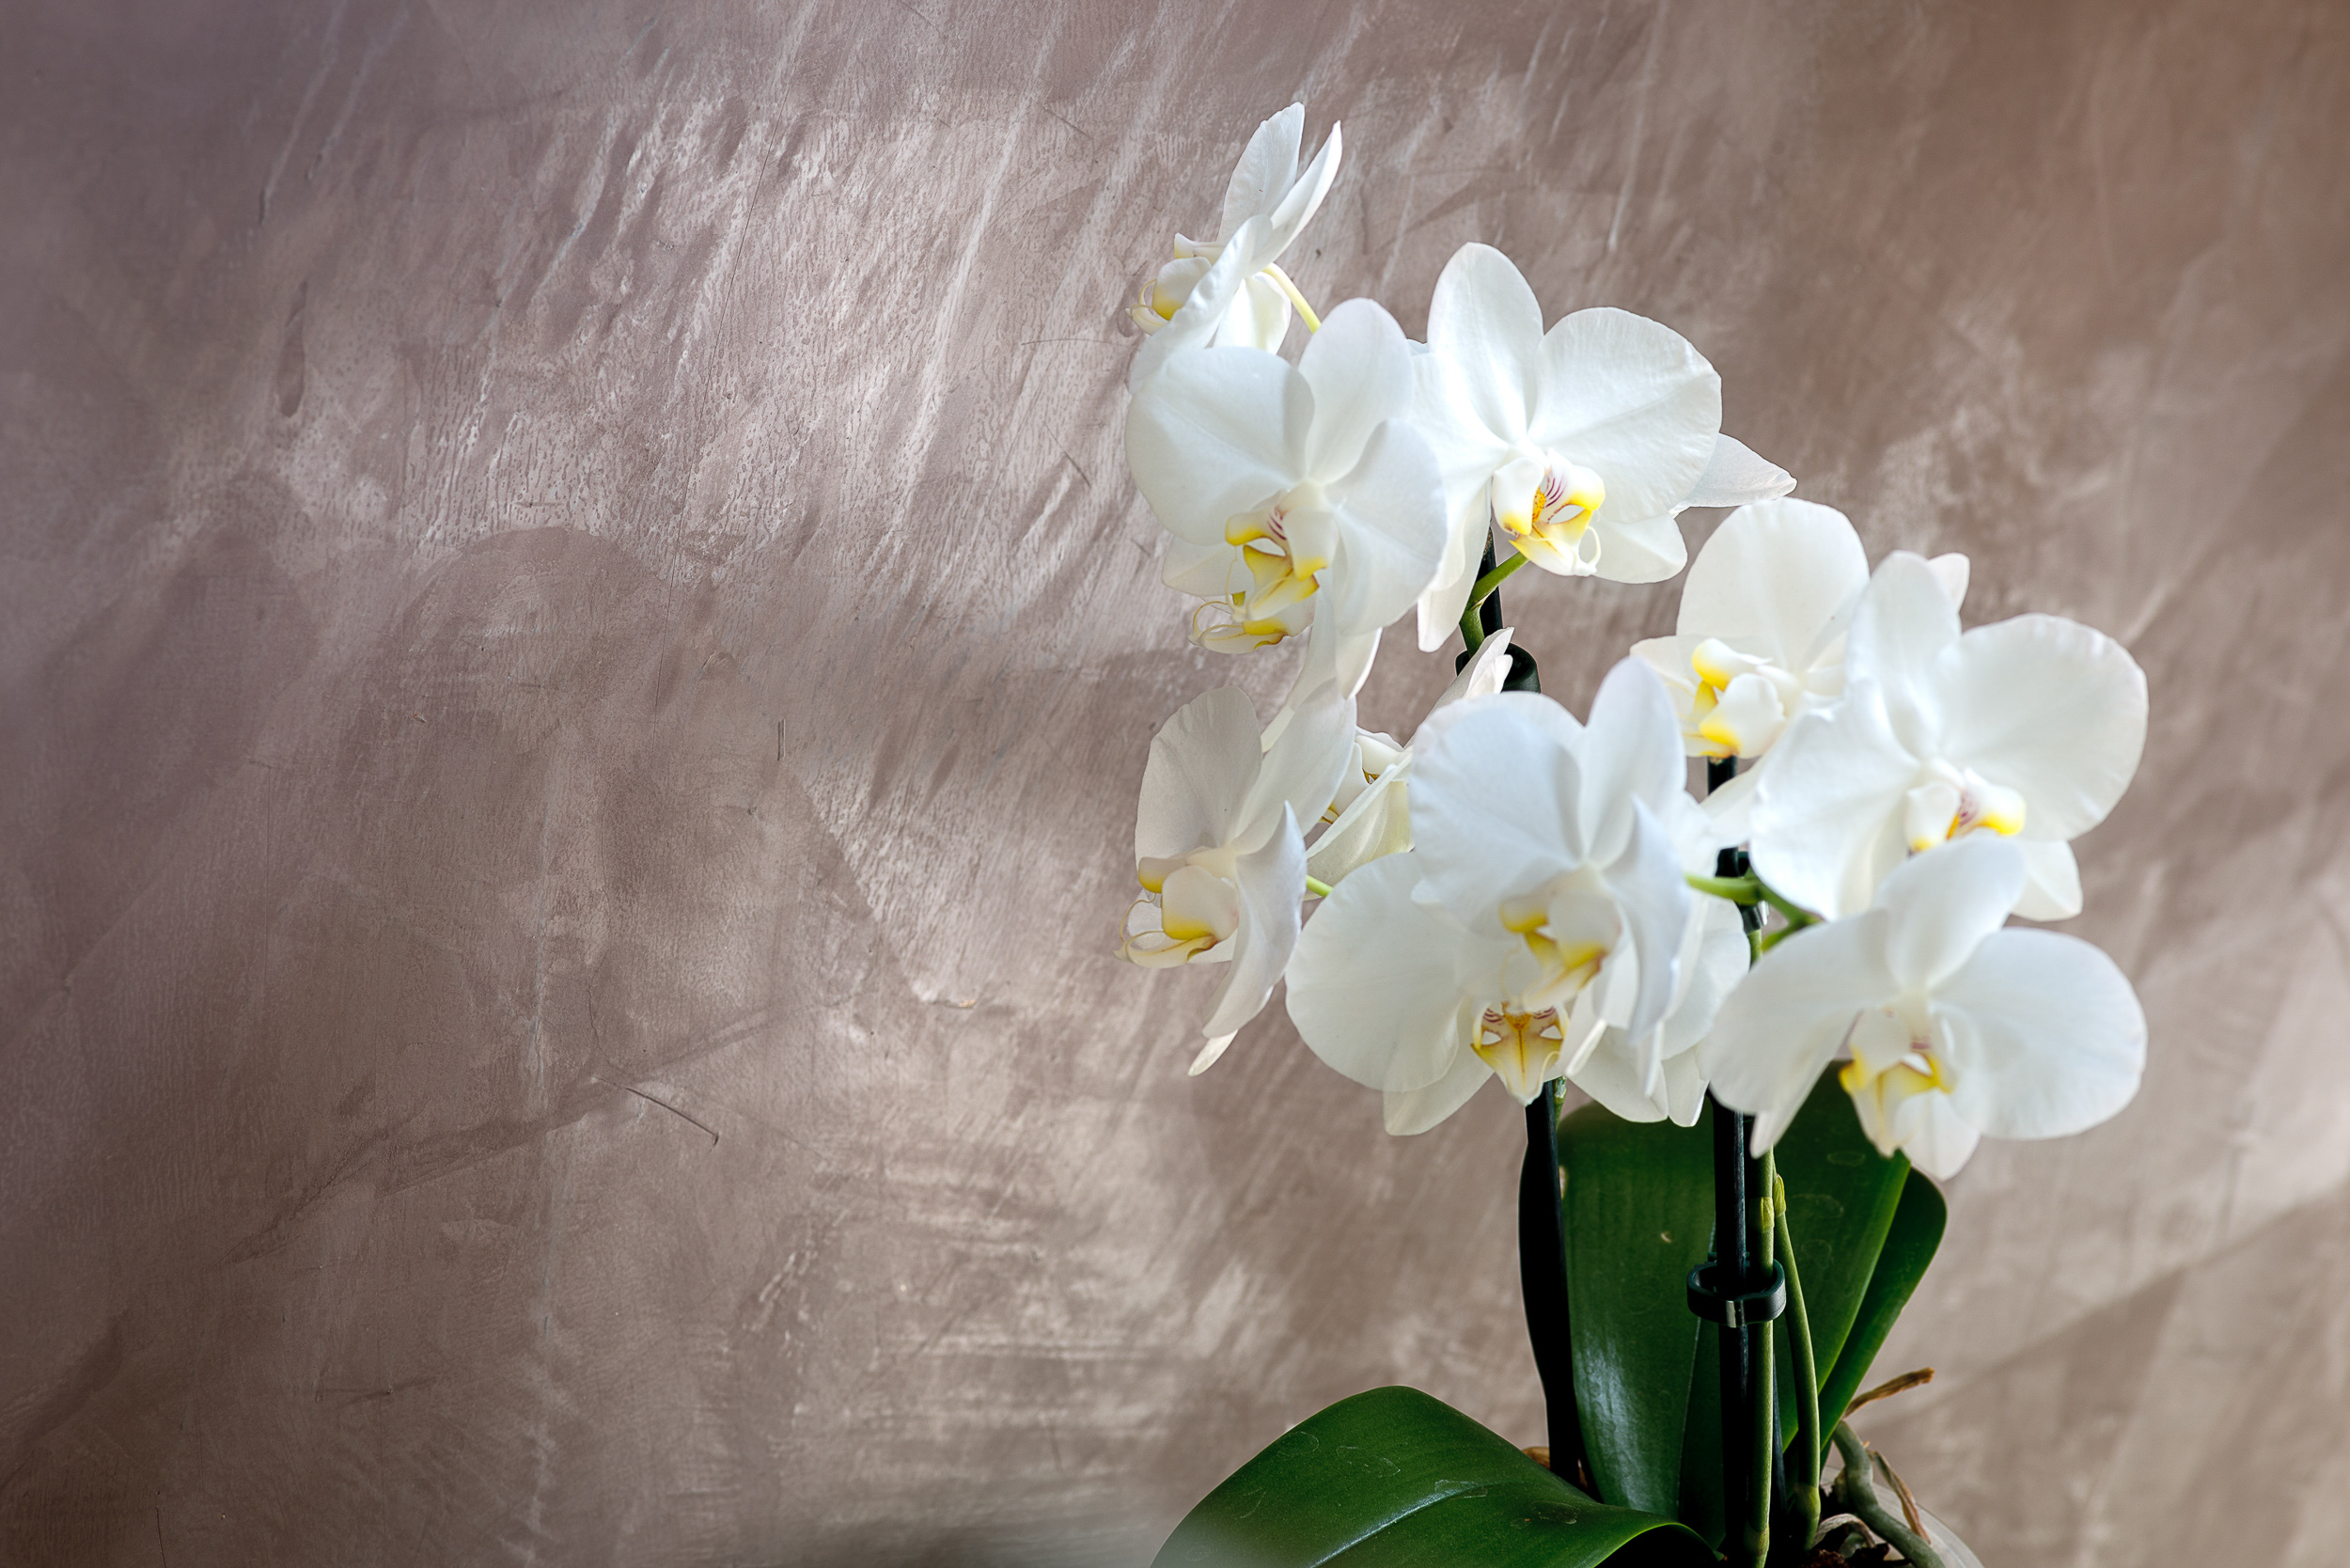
x,y
1684,1088
2044,1035
1630,398
1259,316
1952,571
1654,899
1304,200
1495,793
1630,750
1203,312
1482,676
1943,903
1930,1130
1712,966
1211,1054
1360,370
2052,881
1301,770
1376,824
1772,579
1197,903
1202,570
1638,549
1905,623
1371,985
1390,517
1786,1020
1444,602
1337,659
1611,1075
1735,477
1827,806
1272,884
1267,168
1422,1108
1202,762
1485,329
1214,435
2051,708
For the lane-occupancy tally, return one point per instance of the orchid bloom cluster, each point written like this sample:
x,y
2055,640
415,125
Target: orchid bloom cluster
x,y
1513,893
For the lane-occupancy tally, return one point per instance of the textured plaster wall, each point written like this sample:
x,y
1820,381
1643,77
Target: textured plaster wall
x,y
574,656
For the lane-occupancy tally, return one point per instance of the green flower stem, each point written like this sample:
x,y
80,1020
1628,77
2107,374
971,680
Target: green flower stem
x,y
1805,1482
1318,887
1765,1396
1305,311
1472,632
1855,1494
1749,890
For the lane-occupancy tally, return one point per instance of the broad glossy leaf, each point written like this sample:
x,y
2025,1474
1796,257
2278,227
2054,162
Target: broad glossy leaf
x,y
1702,1441
1909,1247
1639,1214
1841,1194
1394,1478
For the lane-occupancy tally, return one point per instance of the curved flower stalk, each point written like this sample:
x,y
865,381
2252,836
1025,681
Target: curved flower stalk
x,y
1539,925
1193,301
1217,849
2030,728
1298,494
1370,814
1579,445
1761,633
1955,1028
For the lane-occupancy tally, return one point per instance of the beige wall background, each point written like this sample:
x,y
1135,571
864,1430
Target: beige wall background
x,y
575,654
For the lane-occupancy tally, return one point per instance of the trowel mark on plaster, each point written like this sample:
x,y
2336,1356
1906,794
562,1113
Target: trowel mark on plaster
x,y
292,362
543,1383
302,111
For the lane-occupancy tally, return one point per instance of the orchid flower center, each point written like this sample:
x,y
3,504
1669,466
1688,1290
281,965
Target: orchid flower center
x,y
1374,755
1740,703
1569,930
1950,803
1522,1048
1284,545
1164,290
1190,904
1894,1060
1544,506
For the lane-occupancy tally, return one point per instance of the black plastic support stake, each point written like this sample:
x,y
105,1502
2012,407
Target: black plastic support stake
x,y
1542,1281
1730,1266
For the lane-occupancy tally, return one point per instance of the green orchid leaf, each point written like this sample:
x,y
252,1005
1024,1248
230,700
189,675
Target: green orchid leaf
x,y
1841,1194
1394,1478
1909,1247
1638,1215
1702,1441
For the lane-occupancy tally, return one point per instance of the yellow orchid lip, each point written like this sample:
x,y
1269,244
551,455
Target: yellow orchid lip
x,y
1714,669
1522,1048
1556,511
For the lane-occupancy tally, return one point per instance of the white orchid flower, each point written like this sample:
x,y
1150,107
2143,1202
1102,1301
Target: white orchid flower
x,y
1399,996
1370,814
1579,445
1763,614
1217,848
1191,302
2030,728
1955,1028
1298,493
1541,912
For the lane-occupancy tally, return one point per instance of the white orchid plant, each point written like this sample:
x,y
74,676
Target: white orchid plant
x,y
1792,1002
